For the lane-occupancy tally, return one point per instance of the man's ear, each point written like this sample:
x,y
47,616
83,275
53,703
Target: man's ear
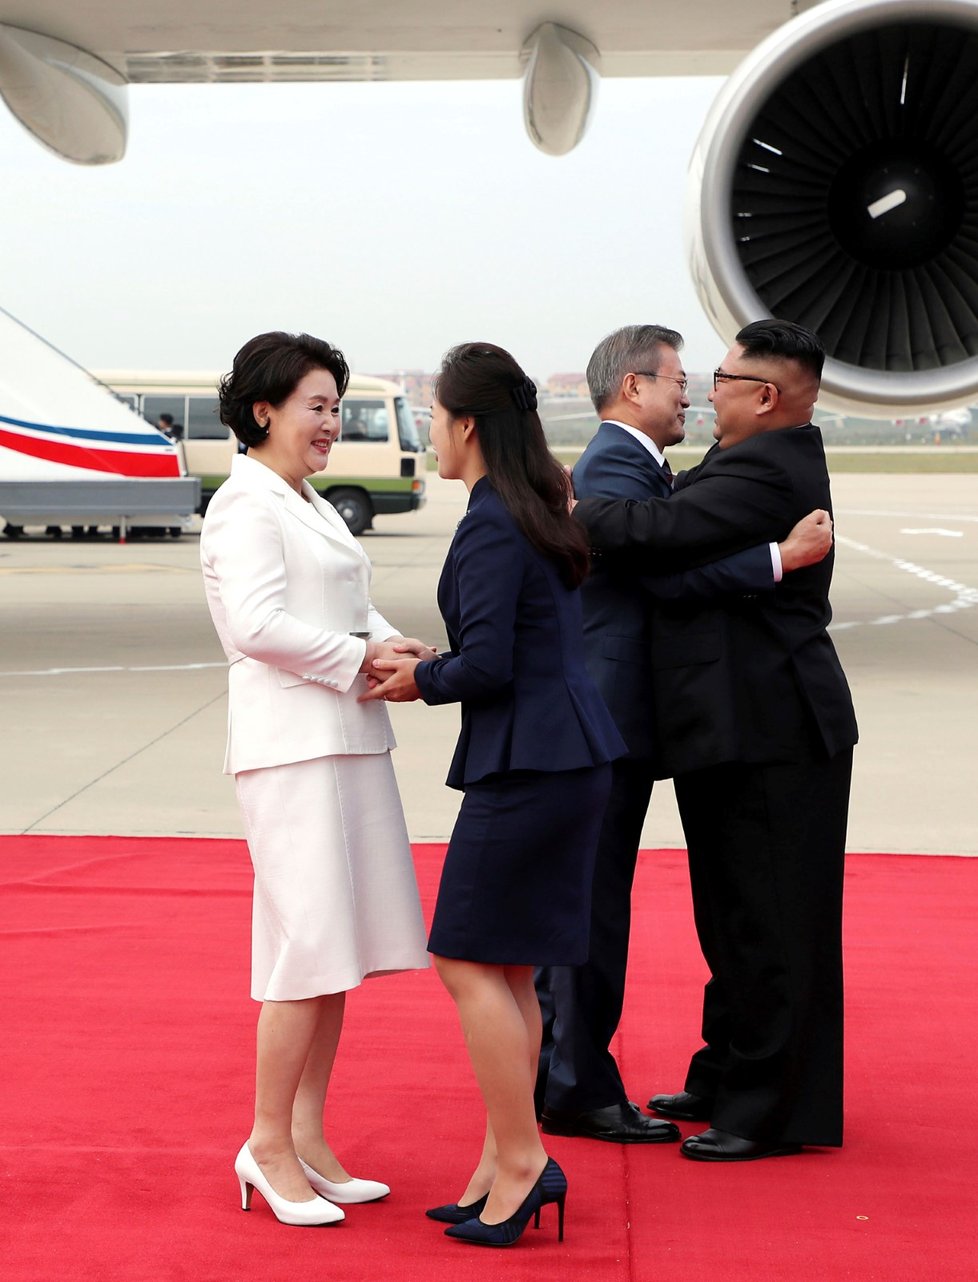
x,y
768,398
629,387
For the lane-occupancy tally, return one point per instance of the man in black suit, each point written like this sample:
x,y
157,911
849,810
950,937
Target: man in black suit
x,y
638,386
756,725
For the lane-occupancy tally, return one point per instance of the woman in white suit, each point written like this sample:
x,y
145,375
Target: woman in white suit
x,y
335,896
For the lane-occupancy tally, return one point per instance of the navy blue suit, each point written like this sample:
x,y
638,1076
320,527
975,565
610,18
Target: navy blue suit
x,y
533,752
582,1005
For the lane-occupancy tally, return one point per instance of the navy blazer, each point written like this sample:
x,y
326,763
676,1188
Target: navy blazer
x,y
619,603
516,662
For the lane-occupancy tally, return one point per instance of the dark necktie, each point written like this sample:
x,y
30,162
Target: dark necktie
x,y
667,473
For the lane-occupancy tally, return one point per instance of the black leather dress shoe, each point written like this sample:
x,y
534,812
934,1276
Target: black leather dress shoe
x,y
684,1106
721,1146
618,1123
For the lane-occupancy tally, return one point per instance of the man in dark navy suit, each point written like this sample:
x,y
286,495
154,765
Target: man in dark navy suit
x,y
757,729
638,386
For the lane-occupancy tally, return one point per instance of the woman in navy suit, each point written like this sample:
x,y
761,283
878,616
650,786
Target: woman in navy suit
x,y
532,759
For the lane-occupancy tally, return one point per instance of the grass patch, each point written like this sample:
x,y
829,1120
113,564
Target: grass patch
x,y
923,459
905,461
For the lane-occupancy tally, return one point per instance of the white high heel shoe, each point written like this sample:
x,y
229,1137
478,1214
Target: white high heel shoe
x,y
315,1211
349,1191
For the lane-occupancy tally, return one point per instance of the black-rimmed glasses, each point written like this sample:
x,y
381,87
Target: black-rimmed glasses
x,y
647,373
721,375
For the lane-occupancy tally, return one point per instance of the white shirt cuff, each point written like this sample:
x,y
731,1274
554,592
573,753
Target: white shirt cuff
x,y
776,565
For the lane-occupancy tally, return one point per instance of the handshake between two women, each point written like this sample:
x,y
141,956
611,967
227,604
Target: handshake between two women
x,y
389,668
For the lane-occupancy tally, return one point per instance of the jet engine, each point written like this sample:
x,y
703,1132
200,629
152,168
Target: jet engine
x,y
835,184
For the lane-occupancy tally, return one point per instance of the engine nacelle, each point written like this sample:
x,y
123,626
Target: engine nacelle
x,y
69,99
835,184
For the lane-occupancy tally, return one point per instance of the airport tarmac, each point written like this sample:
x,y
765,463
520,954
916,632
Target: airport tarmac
x,y
113,684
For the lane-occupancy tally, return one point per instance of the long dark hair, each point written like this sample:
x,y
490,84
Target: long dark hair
x,y
483,381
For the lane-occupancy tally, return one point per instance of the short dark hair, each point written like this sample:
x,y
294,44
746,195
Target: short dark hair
x,y
483,381
269,368
167,419
785,340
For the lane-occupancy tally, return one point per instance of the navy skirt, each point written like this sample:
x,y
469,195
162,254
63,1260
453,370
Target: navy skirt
x,y
516,886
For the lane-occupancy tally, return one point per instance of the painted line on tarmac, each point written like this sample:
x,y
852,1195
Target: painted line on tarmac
x,y
130,567
964,598
117,667
905,515
947,534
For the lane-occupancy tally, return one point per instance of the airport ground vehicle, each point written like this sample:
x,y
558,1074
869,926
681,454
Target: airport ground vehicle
x,y
72,456
377,465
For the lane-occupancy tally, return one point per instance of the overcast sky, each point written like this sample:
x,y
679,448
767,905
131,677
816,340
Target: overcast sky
x,y
392,219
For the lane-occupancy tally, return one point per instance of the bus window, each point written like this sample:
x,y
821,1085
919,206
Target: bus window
x,y
365,420
203,423
154,406
407,429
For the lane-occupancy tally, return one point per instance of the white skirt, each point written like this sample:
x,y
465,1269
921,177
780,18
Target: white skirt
x,y
335,896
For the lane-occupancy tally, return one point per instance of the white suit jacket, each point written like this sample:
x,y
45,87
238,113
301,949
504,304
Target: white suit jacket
x,y
287,584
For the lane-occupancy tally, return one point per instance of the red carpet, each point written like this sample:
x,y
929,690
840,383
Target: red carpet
x,y
127,1056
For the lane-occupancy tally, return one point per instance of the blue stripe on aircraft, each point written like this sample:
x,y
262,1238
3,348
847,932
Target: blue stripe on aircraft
x,y
150,437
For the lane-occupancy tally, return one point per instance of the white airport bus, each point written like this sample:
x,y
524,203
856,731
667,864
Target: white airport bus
x,y
377,465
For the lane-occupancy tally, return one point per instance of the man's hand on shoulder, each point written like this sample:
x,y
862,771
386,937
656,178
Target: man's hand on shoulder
x,y
808,543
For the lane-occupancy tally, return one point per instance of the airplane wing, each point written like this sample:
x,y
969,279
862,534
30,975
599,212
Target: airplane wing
x,y
60,61
205,40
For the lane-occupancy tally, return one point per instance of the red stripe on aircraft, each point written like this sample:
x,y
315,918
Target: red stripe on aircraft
x,y
113,462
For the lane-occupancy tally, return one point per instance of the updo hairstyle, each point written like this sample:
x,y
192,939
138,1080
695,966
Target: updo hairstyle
x,y
482,381
269,368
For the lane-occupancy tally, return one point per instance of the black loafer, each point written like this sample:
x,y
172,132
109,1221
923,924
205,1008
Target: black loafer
x,y
721,1146
684,1106
618,1124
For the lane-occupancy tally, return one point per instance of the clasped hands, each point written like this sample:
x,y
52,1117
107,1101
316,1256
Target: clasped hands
x,y
389,669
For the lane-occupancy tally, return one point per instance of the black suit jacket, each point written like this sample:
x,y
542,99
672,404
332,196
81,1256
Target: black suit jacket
x,y
748,680
619,605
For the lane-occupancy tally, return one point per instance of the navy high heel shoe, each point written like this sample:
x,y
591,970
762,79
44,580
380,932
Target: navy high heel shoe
x,y
550,1187
455,1213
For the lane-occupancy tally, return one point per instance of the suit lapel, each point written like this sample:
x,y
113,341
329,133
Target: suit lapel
x,y
316,514
322,518
644,459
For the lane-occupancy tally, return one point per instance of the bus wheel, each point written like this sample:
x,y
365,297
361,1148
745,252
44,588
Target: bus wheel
x,y
354,507
175,531
13,531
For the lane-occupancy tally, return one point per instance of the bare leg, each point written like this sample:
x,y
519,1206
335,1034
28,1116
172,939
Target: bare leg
x,y
310,1098
520,980
286,1031
482,1177
500,1045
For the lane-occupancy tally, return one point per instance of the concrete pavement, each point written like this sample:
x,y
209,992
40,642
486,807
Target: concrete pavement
x,y
112,684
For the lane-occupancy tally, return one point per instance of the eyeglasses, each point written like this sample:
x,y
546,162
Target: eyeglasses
x,y
721,375
647,373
